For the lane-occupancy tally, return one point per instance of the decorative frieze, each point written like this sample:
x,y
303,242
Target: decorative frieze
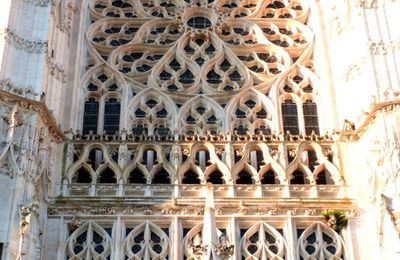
x,y
36,47
56,70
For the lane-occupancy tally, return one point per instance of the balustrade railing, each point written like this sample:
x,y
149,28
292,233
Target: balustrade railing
x,y
196,190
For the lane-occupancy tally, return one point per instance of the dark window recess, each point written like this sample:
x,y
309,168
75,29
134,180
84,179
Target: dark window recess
x,y
162,131
90,116
161,177
235,76
190,120
268,177
210,49
312,160
107,176
199,22
322,178
298,177
82,176
213,77
1,250
186,77
241,130
139,130
310,117
244,178
140,113
215,177
174,64
290,117
162,113
111,115
262,129
191,177
136,176
240,113
262,113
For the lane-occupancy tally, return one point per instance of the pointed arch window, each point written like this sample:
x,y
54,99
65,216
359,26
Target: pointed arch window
x,y
90,116
290,116
112,109
310,117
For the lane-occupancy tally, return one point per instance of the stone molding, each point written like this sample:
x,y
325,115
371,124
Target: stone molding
x,y
35,47
132,208
369,117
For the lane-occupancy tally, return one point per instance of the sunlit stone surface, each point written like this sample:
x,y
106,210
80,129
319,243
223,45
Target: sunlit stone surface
x,y
199,129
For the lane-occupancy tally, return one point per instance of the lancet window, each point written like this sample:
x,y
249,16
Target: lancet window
x,y
262,241
89,241
320,242
102,106
147,241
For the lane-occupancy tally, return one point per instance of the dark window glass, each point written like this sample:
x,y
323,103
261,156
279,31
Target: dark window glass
x,y
191,177
290,117
111,115
199,22
215,178
90,116
310,117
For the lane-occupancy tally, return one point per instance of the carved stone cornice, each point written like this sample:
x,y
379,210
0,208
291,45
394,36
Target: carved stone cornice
x,y
128,209
46,117
56,70
355,133
37,47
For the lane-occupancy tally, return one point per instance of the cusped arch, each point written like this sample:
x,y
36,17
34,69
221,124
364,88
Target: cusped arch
x,y
81,162
262,240
266,103
216,163
180,122
82,243
319,241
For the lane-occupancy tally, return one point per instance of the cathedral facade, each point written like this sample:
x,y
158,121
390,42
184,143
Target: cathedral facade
x,y
199,129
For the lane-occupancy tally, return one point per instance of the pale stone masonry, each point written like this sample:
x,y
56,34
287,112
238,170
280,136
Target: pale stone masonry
x,y
199,129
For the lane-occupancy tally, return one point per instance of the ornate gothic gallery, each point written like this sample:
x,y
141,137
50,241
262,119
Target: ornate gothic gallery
x,y
199,129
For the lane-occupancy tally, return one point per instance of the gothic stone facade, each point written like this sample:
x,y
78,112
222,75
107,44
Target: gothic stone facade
x,y
199,129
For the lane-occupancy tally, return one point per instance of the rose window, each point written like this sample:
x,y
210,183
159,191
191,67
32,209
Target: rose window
x,y
191,47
